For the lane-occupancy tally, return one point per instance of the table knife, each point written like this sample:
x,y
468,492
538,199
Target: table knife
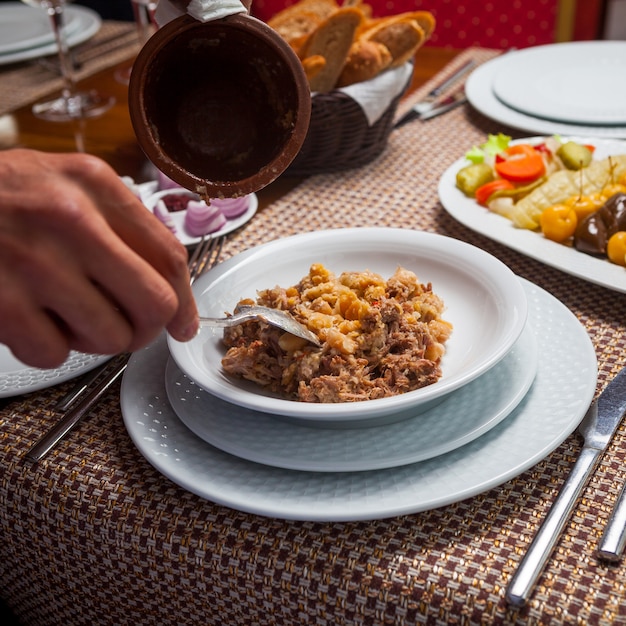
x,y
76,413
597,429
448,103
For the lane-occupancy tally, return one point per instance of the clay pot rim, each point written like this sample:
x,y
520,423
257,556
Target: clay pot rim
x,y
147,135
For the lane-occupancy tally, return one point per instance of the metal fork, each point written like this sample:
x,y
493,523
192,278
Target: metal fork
x,y
205,255
83,396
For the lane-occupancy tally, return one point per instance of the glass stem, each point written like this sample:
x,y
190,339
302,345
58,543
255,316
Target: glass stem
x,y
57,17
144,11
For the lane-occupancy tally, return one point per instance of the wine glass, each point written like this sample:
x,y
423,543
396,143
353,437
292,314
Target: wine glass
x,y
71,104
143,12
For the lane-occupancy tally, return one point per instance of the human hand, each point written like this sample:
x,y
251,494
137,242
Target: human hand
x,y
83,265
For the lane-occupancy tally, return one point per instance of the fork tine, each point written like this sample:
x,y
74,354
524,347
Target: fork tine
x,y
197,257
196,252
217,249
207,255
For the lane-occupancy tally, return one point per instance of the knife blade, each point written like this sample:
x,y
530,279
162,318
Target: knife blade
x,y
597,429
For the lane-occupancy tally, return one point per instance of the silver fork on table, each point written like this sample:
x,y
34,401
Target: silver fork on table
x,y
83,396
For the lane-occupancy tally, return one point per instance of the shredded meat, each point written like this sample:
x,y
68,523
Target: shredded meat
x,y
379,338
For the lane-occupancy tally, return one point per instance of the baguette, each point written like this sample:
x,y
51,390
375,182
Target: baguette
x,y
320,8
294,27
401,35
339,43
366,59
332,40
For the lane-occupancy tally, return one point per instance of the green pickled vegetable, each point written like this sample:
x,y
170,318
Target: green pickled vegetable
x,y
473,176
575,156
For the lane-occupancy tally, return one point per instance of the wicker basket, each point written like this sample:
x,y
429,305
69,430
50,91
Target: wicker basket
x,y
339,135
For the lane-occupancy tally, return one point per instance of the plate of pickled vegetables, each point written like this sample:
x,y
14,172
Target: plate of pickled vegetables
x,y
560,200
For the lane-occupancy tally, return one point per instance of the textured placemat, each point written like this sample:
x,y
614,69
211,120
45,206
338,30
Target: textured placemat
x,y
27,81
95,535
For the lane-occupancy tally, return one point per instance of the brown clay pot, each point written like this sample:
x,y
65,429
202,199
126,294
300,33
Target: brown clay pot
x,y
222,107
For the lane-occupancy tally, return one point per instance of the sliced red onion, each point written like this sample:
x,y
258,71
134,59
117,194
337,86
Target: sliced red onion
x,y
232,207
202,219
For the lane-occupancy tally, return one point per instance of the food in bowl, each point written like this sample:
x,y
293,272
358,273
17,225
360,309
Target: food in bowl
x,y
379,337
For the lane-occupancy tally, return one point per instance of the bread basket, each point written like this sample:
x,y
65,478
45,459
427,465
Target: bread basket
x,y
340,136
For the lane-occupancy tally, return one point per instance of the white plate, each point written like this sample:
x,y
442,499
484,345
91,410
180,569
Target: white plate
x,y
555,404
482,298
463,416
576,82
17,378
178,217
532,244
85,23
24,27
479,91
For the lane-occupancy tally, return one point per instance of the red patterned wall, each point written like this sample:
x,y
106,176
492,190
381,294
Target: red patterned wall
x,y
488,23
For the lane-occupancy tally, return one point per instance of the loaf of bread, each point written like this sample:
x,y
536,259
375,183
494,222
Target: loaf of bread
x,y
402,36
301,18
366,59
343,45
332,40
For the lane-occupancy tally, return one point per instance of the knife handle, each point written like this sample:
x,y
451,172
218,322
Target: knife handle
x,y
75,414
533,562
613,539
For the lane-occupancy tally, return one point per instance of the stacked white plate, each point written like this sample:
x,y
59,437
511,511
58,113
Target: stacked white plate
x,y
26,32
518,375
571,88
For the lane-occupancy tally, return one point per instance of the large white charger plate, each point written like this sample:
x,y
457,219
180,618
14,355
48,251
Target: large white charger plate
x,y
563,389
483,300
576,82
480,93
178,217
532,244
463,416
17,378
24,27
85,23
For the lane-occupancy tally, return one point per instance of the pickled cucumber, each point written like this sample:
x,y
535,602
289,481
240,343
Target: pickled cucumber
x,y
471,177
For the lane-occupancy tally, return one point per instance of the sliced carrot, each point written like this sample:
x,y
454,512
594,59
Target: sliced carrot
x,y
521,164
484,192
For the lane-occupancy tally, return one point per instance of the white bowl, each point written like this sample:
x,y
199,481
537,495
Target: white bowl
x,y
484,301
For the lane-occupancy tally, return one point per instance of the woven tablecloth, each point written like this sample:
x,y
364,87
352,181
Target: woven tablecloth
x,y
95,535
